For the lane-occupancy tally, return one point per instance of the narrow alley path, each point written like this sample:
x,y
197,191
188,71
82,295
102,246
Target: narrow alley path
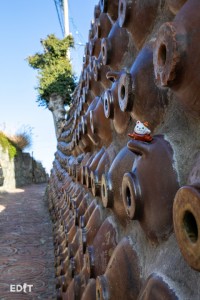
x,y
26,245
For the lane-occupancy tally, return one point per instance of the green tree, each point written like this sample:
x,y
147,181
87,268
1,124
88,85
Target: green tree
x,y
56,79
54,69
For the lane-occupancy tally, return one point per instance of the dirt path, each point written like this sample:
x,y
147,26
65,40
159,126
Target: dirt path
x,y
26,245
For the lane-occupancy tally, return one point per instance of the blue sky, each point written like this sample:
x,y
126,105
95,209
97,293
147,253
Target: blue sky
x,y
23,23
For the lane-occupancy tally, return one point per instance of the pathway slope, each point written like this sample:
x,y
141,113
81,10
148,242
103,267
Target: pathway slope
x,y
26,245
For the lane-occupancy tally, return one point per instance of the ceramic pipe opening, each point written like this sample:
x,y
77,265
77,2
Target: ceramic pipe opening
x,y
108,105
186,216
162,55
167,54
96,187
130,194
89,260
190,226
102,292
122,12
125,93
105,51
106,191
87,177
83,181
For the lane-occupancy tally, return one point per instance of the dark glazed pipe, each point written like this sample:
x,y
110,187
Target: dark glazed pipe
x,y
148,191
186,216
100,125
176,56
111,182
110,7
117,49
156,288
111,105
134,13
92,166
90,290
138,93
122,276
99,253
175,5
103,26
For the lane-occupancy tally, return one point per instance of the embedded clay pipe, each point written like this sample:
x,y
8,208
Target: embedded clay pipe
x,y
111,105
86,126
156,288
83,167
176,59
148,191
111,182
90,290
100,125
117,49
138,93
92,166
95,87
80,283
95,47
99,253
186,217
134,13
103,26
175,5
97,11
100,71
84,218
90,230
96,175
122,276
110,7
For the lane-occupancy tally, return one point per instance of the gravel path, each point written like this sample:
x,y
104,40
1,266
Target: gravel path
x,y
26,245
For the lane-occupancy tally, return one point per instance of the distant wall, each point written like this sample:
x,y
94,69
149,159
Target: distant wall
x,y
21,171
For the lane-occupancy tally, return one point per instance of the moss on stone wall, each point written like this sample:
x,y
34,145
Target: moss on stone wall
x,y
6,144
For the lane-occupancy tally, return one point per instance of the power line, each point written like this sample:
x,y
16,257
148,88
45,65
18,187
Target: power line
x,y
58,5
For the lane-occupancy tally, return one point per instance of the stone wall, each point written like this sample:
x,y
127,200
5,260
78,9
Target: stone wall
x,y
21,171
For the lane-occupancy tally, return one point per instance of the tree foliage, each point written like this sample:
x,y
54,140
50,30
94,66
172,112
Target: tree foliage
x,y
54,69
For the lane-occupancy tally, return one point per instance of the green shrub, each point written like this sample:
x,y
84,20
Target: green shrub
x,y
6,144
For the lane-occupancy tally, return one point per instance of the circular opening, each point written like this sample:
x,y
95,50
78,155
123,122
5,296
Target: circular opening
x,y
121,9
162,55
123,92
106,104
103,51
104,190
98,295
190,226
128,197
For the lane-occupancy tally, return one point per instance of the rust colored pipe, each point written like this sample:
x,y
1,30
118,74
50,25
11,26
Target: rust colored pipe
x,y
111,182
122,276
138,93
148,191
99,253
134,13
186,217
175,5
112,109
156,288
100,125
117,49
92,166
110,7
176,56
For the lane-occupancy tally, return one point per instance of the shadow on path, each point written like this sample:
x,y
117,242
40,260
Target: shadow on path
x,y
26,245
